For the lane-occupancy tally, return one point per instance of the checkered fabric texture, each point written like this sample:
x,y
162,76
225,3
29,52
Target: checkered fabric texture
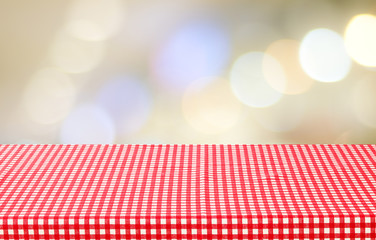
x,y
187,191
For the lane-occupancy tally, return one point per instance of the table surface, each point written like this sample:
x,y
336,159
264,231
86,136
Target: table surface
x,y
187,191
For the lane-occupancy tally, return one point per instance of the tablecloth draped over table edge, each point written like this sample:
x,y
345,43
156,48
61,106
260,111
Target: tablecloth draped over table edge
x,y
186,191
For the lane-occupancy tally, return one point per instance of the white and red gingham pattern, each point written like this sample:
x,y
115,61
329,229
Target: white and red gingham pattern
x,y
188,191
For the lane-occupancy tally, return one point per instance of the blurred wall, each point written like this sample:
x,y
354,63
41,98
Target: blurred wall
x,y
127,71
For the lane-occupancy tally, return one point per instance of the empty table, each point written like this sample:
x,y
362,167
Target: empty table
x,y
187,191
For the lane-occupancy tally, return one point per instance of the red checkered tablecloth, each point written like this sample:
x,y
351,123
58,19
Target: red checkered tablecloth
x,y
187,191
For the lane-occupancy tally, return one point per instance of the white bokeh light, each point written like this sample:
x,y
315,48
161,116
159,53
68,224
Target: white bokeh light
x,y
248,79
87,123
323,56
360,39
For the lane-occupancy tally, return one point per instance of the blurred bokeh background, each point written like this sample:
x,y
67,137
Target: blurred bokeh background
x,y
198,71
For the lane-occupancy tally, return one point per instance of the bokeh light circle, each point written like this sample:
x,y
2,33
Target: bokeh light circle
x,y
73,55
127,101
210,107
49,96
248,79
87,124
286,51
194,51
323,56
95,20
360,39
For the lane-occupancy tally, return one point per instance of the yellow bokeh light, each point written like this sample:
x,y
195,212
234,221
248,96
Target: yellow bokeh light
x,y
211,108
85,30
49,96
73,55
286,51
360,39
95,20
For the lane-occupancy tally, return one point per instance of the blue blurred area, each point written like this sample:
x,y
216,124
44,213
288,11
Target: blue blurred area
x,y
128,101
193,51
